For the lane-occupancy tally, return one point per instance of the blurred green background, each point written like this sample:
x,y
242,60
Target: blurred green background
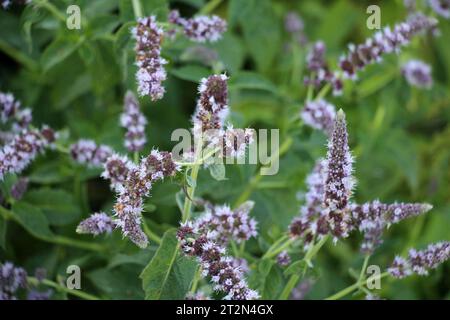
x,y
75,80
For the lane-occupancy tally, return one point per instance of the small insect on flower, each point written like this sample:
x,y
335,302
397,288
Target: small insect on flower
x,y
418,74
200,28
134,121
151,72
420,261
96,224
441,7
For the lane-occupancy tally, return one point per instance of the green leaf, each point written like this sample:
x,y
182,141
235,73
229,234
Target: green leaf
x,y
32,219
58,205
217,171
61,48
190,73
298,268
169,274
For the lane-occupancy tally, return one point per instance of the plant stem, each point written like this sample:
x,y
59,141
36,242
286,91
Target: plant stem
x,y
275,251
323,92
74,292
150,234
364,267
210,6
136,157
289,287
255,180
191,188
52,9
137,8
196,279
18,55
352,288
315,249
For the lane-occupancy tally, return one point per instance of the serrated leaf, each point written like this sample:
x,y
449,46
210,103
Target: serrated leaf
x,y
58,205
169,274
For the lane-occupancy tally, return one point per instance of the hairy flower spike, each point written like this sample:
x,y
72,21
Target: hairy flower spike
x,y
151,73
418,74
215,263
116,170
25,146
200,28
384,42
89,153
134,121
96,224
441,7
420,261
320,115
339,181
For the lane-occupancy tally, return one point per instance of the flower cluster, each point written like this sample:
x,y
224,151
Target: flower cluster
x,y
223,224
11,280
134,122
373,217
209,117
417,73
283,259
89,153
312,220
320,115
441,7
96,224
293,24
421,261
339,181
10,110
151,73
16,155
319,71
133,183
215,263
200,28
383,42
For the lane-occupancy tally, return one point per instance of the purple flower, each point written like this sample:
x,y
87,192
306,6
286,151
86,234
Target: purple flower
x,y
136,185
223,224
151,73
200,28
418,74
116,170
25,146
199,295
96,224
441,7
11,279
283,259
383,42
339,181
320,115
134,121
420,261
215,263
39,295
293,23
10,110
89,153
302,289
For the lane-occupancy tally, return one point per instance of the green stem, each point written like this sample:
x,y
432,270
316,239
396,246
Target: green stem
x,y
315,249
364,267
196,280
52,284
52,9
352,288
289,287
210,6
18,55
323,92
137,8
191,188
277,250
136,157
150,234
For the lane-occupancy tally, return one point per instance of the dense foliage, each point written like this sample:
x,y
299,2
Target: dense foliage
x,y
93,147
